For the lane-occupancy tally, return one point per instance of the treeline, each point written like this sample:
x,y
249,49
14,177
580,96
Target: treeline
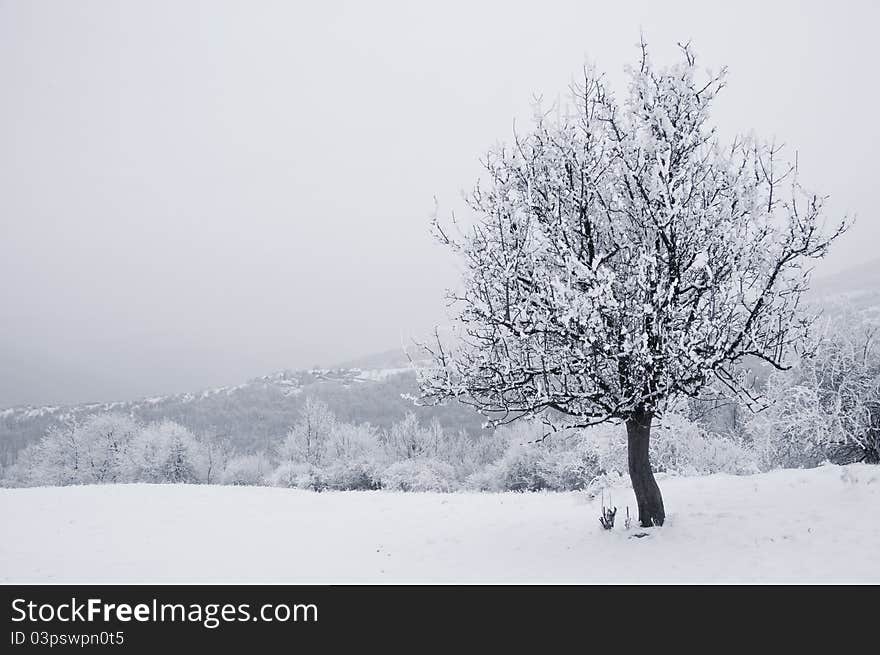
x,y
321,452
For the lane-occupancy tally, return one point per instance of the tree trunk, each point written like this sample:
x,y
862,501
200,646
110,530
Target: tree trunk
x,y
648,498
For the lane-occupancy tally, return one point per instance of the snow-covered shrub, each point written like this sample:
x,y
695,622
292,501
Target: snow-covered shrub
x,y
723,454
605,481
683,447
828,406
532,460
523,468
290,474
544,466
353,475
535,461
246,470
778,447
678,446
574,465
321,452
306,476
420,474
486,478
468,454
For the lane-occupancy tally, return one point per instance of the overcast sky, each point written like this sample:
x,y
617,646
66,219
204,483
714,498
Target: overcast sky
x,y
195,193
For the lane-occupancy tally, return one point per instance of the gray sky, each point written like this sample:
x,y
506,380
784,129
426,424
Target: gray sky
x,y
194,193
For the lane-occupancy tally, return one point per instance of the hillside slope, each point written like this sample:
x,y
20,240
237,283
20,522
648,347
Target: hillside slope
x,y
254,415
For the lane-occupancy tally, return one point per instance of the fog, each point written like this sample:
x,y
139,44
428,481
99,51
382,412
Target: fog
x,y
195,193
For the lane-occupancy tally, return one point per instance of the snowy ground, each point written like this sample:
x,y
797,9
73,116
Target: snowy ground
x,y
793,526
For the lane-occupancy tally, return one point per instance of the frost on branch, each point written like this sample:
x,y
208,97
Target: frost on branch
x,y
618,256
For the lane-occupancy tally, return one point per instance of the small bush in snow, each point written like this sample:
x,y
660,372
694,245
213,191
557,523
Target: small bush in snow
x,y
539,467
354,475
246,470
421,474
524,468
294,475
559,462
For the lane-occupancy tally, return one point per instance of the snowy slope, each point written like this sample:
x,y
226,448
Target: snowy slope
x,y
787,526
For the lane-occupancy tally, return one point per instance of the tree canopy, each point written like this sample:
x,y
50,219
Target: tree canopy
x,y
619,256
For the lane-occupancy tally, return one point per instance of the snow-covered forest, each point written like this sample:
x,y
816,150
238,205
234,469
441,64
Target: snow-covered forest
x,y
251,415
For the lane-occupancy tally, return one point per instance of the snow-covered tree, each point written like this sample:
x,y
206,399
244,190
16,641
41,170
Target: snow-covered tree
x,y
829,404
350,441
408,439
217,453
87,452
166,452
619,258
54,460
309,439
103,440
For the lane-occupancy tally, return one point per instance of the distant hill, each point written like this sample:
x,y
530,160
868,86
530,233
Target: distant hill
x,y
256,414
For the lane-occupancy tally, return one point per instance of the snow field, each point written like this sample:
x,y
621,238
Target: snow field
x,y
798,526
